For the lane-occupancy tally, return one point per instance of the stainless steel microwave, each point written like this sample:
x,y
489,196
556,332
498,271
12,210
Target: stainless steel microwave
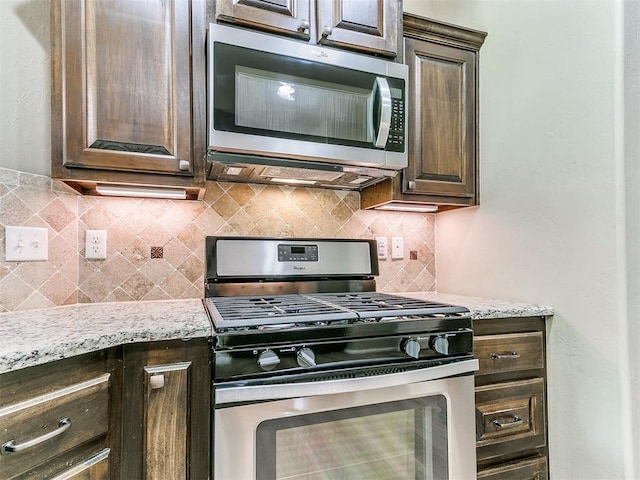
x,y
284,111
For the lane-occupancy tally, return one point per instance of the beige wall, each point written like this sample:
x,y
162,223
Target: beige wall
x,y
25,104
551,225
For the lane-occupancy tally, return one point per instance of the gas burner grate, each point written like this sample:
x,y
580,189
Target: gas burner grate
x,y
290,310
277,309
376,305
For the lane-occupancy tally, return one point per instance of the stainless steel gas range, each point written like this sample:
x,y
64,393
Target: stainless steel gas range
x,y
318,376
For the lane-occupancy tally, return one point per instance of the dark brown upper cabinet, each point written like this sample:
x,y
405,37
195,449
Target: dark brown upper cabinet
x,y
442,120
128,93
368,26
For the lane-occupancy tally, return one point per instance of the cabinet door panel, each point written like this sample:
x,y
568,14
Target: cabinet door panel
x,y
442,93
289,17
369,25
126,73
166,417
166,410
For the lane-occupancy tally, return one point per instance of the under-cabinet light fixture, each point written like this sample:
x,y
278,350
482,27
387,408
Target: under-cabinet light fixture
x,y
146,192
407,207
294,181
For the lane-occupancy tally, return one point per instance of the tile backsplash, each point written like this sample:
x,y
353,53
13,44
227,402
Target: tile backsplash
x,y
174,232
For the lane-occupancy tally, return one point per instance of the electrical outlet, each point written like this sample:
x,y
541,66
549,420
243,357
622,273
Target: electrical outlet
x,y
95,244
26,243
382,247
397,247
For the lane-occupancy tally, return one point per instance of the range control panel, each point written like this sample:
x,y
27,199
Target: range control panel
x,y
297,253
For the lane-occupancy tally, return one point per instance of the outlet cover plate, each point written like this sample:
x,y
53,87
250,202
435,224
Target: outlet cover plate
x,y
23,244
95,244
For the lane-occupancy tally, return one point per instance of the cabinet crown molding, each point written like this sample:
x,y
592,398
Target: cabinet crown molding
x,y
435,30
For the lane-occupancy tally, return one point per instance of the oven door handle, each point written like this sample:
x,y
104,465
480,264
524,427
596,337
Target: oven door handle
x,y
258,393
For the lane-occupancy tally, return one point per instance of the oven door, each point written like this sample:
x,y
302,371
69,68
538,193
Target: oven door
x,y
389,426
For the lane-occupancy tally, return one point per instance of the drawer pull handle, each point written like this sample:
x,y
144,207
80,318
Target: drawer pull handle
x,y
502,356
11,446
516,421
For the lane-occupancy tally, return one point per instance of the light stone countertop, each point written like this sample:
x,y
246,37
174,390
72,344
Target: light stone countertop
x,y
34,337
485,308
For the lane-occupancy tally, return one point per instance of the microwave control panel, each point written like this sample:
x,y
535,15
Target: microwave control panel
x,y
395,142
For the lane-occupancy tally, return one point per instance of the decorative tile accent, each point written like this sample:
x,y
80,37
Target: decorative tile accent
x,y
137,228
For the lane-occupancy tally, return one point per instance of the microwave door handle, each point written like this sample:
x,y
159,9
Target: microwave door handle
x,y
382,99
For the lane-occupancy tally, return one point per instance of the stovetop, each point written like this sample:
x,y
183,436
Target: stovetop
x,y
298,310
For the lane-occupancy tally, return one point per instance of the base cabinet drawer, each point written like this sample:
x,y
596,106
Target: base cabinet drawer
x,y
508,352
43,427
510,418
528,469
94,468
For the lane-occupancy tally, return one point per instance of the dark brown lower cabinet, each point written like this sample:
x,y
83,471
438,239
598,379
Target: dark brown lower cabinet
x,y
140,411
61,420
511,411
166,405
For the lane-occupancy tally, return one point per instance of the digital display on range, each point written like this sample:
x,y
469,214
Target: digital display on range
x,y
297,253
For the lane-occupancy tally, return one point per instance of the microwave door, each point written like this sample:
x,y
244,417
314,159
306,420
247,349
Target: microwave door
x,y
380,112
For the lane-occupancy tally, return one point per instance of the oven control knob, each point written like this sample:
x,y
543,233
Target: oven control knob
x,y
306,358
268,360
411,347
440,344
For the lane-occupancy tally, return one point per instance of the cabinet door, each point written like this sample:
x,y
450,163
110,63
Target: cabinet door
x,y
122,96
367,25
166,410
442,120
166,420
289,17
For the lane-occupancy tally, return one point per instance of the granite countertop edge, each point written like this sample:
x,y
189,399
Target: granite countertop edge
x,y
34,337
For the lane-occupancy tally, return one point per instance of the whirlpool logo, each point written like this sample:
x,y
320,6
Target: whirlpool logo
x,y
319,53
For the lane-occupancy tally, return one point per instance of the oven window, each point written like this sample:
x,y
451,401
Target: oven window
x,y
405,440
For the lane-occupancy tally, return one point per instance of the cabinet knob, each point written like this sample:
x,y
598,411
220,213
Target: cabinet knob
x,y
411,185
156,381
184,165
304,25
326,31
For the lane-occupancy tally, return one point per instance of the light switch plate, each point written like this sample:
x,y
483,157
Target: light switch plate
x,y
24,244
382,247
